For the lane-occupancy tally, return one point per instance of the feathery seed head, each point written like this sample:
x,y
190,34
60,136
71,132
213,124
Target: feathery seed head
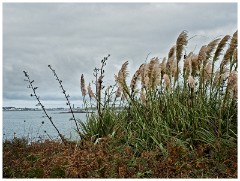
x,y
170,63
227,56
171,52
122,74
180,43
154,72
82,85
221,46
232,83
202,55
119,92
232,79
163,66
143,97
207,72
195,65
134,80
156,75
154,61
234,40
191,82
146,81
187,66
90,92
167,82
144,75
220,77
211,47
217,78
231,48
225,61
235,56
174,70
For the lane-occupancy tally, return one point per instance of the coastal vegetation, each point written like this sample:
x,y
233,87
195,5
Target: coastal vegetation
x,y
175,118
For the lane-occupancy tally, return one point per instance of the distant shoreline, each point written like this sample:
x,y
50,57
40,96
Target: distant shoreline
x,y
77,112
22,110
60,111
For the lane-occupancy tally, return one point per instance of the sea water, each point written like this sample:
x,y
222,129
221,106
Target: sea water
x,y
34,125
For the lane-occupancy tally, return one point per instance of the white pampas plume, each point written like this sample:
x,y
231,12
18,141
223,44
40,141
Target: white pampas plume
x,y
191,82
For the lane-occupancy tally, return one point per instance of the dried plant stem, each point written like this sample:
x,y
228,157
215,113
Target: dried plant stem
x,y
43,108
67,98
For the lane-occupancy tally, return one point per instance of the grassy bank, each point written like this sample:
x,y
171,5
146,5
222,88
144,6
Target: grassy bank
x,y
176,117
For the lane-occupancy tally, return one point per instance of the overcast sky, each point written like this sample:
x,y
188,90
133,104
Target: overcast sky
x,y
74,37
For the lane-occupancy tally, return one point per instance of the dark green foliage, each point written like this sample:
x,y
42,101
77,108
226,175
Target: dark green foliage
x,y
35,173
57,172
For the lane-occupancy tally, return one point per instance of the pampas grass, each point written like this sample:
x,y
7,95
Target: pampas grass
x,y
82,86
180,43
135,78
90,92
232,83
171,52
184,109
191,82
202,55
220,47
167,82
191,101
122,74
210,49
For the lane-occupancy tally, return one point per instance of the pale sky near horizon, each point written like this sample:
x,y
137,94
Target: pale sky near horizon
x,y
74,37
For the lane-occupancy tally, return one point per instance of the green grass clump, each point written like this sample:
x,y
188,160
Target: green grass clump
x,y
190,100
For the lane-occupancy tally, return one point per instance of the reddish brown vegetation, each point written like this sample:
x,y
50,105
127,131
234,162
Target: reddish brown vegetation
x,y
108,160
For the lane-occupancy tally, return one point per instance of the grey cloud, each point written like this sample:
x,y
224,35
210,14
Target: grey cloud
x,y
73,38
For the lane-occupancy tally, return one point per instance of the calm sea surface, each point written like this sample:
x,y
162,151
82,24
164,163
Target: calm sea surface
x,y
34,125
